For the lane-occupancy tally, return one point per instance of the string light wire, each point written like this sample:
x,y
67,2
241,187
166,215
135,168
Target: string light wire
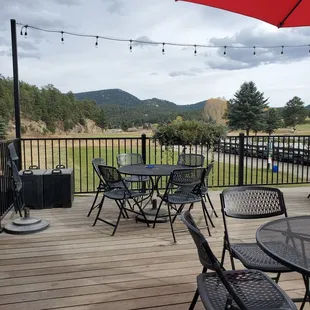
x,y
24,31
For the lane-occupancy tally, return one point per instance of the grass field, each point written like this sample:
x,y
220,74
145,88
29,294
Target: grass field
x,y
78,154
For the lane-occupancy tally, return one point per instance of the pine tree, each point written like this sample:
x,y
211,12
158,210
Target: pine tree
x,y
246,110
273,121
294,112
2,128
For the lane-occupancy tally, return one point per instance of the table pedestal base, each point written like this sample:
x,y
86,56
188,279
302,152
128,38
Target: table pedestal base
x,y
150,213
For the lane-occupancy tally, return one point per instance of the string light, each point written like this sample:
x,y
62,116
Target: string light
x,y
24,31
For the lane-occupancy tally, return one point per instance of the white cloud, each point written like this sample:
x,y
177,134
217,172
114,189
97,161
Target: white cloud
x,y
178,75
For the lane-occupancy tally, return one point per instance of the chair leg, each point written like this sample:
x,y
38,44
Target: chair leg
x,y
142,213
99,210
195,298
118,218
211,204
171,224
223,255
206,213
178,211
94,203
277,278
194,301
232,262
124,212
156,216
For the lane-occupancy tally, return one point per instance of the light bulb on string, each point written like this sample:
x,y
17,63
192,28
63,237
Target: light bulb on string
x,y
195,50
254,50
96,44
225,47
282,50
163,49
26,31
62,37
130,45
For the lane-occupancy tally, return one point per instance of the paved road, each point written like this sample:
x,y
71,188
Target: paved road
x,y
285,170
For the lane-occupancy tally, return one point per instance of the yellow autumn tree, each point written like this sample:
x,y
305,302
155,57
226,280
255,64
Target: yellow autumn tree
x,y
215,109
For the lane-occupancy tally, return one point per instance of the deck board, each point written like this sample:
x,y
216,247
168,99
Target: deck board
x,y
75,266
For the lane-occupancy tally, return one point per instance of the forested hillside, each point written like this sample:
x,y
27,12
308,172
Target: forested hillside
x,y
124,110
49,105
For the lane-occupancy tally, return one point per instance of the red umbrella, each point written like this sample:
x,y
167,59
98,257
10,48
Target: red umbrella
x,y
281,13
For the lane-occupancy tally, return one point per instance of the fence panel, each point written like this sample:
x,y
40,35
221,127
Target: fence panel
x,y
273,160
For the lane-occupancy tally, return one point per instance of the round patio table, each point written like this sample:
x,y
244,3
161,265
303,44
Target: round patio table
x,y
287,240
155,171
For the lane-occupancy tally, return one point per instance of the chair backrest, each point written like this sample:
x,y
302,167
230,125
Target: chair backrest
x,y
206,256
12,152
191,160
129,159
16,177
252,202
95,163
111,176
191,178
208,171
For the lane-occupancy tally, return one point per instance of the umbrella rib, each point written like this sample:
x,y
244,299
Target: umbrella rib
x,y
289,14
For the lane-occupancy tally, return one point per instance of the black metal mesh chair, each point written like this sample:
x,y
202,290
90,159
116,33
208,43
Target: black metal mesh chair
x,y
101,186
236,289
176,195
204,188
117,190
131,159
18,199
191,160
251,203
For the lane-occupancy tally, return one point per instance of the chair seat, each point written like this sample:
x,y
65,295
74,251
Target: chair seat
x,y
254,288
181,197
119,194
253,257
136,178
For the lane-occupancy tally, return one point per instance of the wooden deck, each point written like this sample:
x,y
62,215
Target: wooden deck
x,y
75,266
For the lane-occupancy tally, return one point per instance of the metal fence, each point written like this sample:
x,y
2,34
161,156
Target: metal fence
x,y
6,181
238,160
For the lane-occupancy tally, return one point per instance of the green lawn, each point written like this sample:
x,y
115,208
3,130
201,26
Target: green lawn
x,y
79,156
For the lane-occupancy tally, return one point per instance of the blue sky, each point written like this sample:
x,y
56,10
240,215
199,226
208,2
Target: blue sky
x,y
178,76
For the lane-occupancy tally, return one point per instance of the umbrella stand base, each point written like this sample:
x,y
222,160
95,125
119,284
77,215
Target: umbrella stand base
x,y
150,214
26,225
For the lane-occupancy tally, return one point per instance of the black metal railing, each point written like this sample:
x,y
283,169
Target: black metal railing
x,y
6,181
238,160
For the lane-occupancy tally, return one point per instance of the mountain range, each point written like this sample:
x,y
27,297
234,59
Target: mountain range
x,y
125,99
122,107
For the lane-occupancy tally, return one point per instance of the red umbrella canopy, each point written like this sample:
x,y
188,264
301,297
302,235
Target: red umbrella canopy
x,y
281,13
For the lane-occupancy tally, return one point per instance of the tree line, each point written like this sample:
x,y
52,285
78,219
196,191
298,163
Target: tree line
x,y
249,110
47,104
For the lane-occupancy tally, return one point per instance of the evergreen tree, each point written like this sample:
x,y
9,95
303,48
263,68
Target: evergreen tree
x,y
247,109
294,112
273,121
2,128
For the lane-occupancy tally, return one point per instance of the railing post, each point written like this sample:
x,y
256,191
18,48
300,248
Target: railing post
x,y
241,159
143,146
